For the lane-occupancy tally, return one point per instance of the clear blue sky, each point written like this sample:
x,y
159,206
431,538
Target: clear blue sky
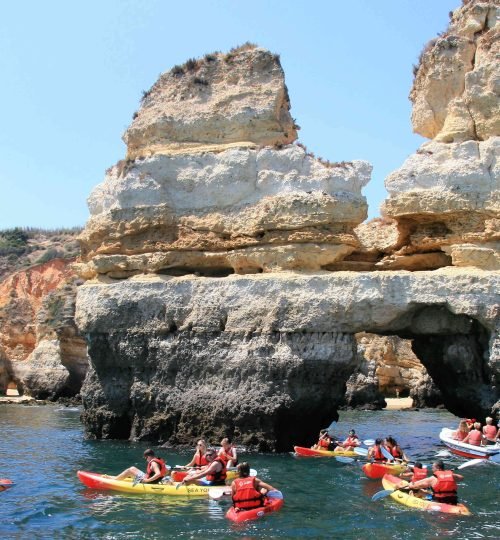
x,y
73,73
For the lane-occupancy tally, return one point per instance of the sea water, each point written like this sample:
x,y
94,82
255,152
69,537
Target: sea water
x,y
42,447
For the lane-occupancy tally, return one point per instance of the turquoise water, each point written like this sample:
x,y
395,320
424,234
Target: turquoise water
x,y
42,447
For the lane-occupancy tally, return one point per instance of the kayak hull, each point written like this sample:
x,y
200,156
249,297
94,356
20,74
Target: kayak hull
x,y
404,497
469,451
102,481
272,505
378,470
309,452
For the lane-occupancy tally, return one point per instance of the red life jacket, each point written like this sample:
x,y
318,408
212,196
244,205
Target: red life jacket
x,y
352,440
490,432
228,456
218,476
395,452
445,486
324,443
200,460
161,463
377,454
475,437
418,474
246,496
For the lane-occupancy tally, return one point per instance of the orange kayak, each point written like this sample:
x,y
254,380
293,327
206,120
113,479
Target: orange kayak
x,y
378,470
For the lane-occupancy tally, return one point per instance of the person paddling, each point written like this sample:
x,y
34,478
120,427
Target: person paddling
x,y
395,450
375,451
490,432
324,441
247,491
350,443
214,473
199,459
156,470
442,483
228,453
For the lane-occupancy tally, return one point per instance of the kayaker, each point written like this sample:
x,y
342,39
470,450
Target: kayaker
x,y
324,441
462,431
490,432
214,472
228,453
415,473
442,483
199,459
248,491
395,450
350,443
156,470
475,436
375,452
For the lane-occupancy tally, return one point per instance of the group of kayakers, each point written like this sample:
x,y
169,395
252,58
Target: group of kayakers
x,y
469,432
391,446
326,441
247,491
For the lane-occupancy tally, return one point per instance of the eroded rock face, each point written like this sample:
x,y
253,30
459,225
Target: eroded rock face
x,y
388,367
456,88
213,185
446,197
160,345
211,102
43,352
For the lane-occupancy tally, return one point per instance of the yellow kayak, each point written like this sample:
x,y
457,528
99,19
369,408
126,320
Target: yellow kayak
x,y
102,481
404,497
309,452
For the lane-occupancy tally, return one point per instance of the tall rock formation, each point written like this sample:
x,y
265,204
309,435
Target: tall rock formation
x,y
215,303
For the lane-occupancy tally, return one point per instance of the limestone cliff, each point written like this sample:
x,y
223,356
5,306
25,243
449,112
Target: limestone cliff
x,y
216,301
41,349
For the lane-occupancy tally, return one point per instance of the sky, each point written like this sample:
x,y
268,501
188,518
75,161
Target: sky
x,y
73,72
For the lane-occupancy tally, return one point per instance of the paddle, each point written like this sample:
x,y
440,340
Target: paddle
x,y
386,453
443,453
219,492
360,451
471,462
343,459
386,492
369,442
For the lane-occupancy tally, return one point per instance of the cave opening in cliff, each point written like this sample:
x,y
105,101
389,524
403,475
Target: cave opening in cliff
x,y
12,389
453,349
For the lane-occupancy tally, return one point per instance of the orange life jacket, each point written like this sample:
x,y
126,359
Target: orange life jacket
x,y
218,476
377,454
445,486
246,496
324,443
460,435
161,463
475,437
352,440
200,460
228,456
418,474
395,452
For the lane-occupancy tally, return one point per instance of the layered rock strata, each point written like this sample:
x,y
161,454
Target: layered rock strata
x,y
446,197
212,185
180,348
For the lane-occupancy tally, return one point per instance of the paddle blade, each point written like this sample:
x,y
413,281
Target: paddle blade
x,y
218,492
369,442
253,472
470,463
342,459
495,458
382,494
386,453
360,451
443,453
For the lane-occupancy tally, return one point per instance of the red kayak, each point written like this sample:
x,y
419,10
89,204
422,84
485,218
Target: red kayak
x,y
377,470
272,504
5,483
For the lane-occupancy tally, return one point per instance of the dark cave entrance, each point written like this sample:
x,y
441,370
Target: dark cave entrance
x,y
454,350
